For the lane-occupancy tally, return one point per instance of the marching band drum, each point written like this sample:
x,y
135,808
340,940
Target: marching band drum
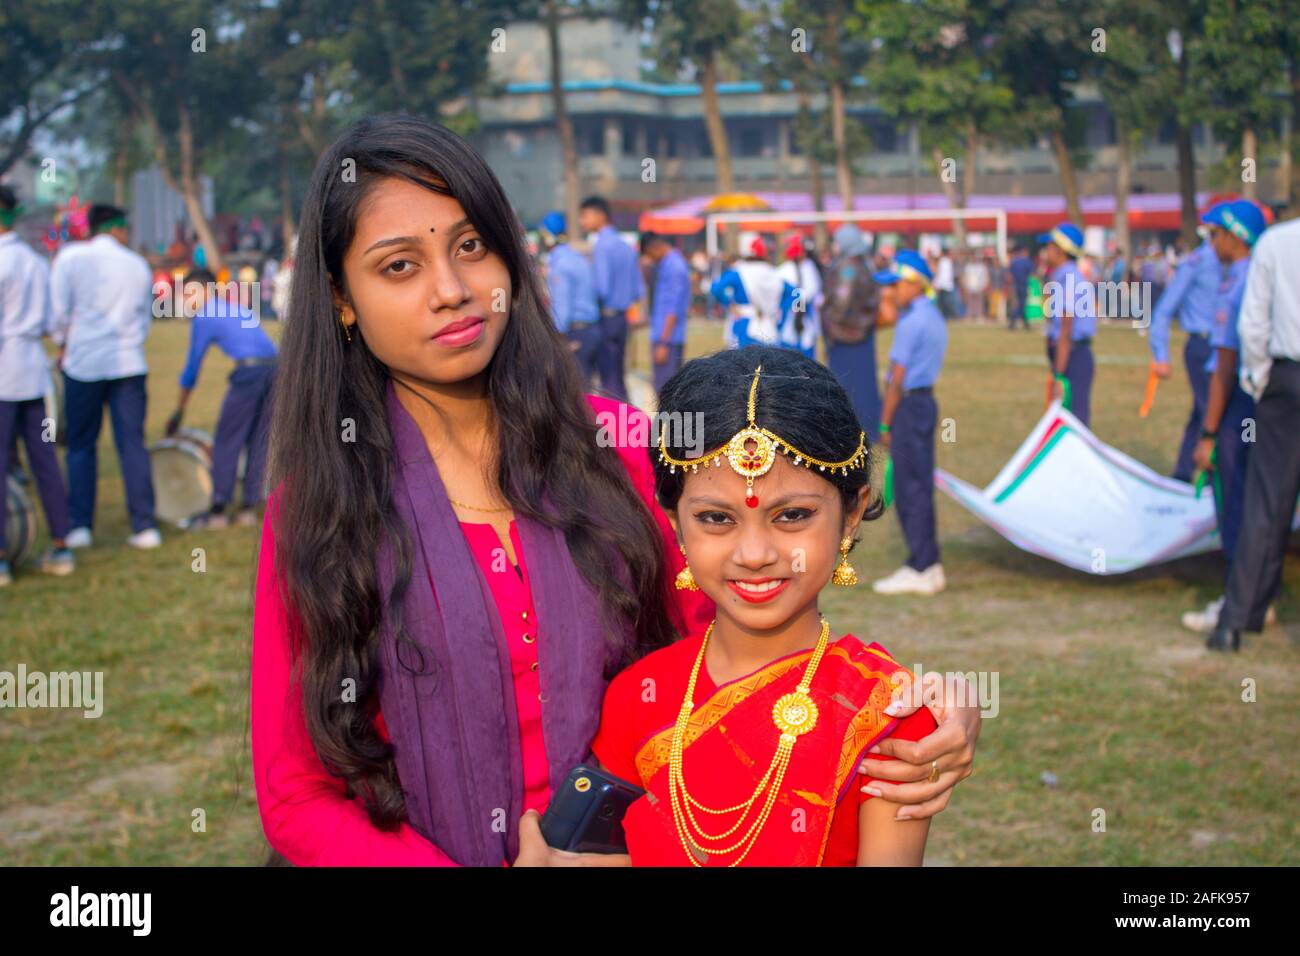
x,y
20,522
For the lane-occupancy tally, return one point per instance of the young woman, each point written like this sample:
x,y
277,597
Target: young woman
x,y
748,739
454,560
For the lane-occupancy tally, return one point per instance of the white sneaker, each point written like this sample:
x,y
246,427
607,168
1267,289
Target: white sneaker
x,y
1204,622
907,580
78,538
148,538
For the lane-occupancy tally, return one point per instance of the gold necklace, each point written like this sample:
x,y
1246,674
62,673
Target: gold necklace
x,y
461,504
794,714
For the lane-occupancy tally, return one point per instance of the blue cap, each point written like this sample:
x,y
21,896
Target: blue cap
x,y
850,241
553,224
1241,217
1066,235
908,264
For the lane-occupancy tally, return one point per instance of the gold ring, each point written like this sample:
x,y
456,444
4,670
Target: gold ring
x,y
934,771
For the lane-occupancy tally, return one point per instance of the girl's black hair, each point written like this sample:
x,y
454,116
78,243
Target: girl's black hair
x,y
798,399
334,503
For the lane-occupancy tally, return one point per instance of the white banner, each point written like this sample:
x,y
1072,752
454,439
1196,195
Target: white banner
x,y
1067,496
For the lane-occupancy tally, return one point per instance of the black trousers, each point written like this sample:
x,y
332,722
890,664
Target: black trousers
x,y
1195,354
1272,485
912,449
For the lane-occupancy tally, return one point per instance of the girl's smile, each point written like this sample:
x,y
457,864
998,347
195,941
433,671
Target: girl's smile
x,y
758,590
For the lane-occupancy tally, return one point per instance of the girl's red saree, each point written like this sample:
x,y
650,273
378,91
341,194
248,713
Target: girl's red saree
x,y
729,745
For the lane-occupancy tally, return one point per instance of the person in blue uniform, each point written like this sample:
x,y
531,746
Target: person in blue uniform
x,y
759,303
1226,437
1191,296
618,285
242,425
571,280
24,319
668,307
908,420
1070,306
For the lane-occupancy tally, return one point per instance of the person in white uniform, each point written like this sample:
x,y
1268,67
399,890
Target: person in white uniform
x,y
101,294
24,317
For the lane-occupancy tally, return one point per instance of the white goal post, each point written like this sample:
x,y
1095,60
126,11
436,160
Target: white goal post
x,y
999,216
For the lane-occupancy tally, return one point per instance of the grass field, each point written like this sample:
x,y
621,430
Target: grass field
x,y
1102,687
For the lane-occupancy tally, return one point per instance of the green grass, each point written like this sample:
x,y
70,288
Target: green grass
x,y
1098,682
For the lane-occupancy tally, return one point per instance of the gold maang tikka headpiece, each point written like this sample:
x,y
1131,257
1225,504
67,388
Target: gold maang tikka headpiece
x,y
754,464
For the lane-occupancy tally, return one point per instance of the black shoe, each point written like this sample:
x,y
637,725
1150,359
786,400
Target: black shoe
x,y
1223,639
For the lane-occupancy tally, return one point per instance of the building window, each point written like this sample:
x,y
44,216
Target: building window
x,y
629,137
751,141
590,137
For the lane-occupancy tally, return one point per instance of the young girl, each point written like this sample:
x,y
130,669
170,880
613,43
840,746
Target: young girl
x,y
748,738
454,560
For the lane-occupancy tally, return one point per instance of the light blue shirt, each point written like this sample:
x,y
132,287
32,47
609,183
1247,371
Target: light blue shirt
x,y
920,341
234,330
618,271
572,282
672,297
1071,287
1191,295
1227,308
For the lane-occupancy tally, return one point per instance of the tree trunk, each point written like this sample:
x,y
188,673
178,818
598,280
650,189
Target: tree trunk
x,y
1291,184
818,187
119,172
713,123
1065,165
1249,151
1123,186
190,190
843,169
954,199
717,139
968,173
287,228
1186,166
563,124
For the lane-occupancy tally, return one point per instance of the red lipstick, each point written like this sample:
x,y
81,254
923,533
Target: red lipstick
x,y
758,597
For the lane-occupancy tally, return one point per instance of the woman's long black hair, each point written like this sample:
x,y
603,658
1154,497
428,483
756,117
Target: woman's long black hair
x,y
334,498
798,399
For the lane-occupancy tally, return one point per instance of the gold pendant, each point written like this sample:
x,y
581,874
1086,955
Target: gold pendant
x,y
795,714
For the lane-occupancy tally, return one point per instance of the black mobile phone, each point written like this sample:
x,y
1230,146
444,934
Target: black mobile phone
x,y
586,815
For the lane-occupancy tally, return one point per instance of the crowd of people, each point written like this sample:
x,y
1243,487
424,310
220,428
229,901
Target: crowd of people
x,y
841,295
96,301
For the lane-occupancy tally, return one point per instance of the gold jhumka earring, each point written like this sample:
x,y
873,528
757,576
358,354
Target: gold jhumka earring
x,y
685,579
845,575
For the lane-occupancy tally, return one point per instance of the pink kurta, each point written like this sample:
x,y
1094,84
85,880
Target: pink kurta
x,y
306,814
513,595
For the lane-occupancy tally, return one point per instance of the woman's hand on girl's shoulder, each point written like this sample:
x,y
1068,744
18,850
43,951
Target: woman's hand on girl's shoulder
x,y
949,748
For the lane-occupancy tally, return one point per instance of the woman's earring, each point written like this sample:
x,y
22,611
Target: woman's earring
x,y
347,329
685,579
844,574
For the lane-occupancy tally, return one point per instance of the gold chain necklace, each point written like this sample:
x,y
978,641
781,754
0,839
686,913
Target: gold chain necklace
x,y
458,504
794,715
461,504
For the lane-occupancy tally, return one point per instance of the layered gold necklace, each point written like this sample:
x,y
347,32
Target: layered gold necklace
x,y
795,714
